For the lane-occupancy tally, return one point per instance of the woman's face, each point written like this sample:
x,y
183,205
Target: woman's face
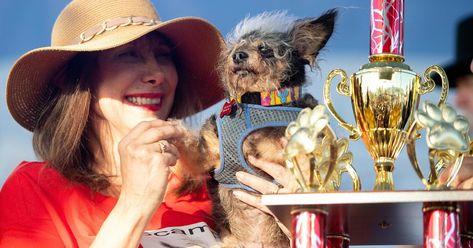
x,y
135,82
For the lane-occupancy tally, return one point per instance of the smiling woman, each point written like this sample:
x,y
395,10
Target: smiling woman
x,y
99,102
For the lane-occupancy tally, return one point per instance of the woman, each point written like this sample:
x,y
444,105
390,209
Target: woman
x,y
98,102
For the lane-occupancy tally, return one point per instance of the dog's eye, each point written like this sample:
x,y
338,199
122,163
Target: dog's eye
x,y
265,51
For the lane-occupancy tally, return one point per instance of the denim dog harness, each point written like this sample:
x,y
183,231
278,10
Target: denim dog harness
x,y
232,131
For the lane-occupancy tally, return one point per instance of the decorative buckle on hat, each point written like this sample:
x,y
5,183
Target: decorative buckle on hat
x,y
112,24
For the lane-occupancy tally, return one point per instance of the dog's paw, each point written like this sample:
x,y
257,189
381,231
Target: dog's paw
x,y
446,130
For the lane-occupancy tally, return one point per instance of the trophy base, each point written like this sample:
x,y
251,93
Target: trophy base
x,y
372,218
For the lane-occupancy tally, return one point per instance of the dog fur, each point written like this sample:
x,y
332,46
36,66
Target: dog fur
x,y
264,53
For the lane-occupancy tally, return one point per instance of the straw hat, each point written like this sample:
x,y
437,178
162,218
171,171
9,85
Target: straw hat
x,y
463,53
94,25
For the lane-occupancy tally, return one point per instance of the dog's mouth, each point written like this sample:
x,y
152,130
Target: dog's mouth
x,y
243,71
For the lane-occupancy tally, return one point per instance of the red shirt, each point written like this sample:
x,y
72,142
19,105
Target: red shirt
x,y
40,208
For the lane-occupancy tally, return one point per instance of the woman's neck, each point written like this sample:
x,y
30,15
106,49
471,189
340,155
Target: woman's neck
x,y
104,147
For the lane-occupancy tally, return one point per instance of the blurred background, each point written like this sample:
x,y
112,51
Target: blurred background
x,y
429,33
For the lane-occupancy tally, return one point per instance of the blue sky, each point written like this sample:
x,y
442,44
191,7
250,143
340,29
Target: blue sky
x,y
25,25
429,39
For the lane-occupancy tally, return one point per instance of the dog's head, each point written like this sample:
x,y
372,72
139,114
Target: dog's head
x,y
270,51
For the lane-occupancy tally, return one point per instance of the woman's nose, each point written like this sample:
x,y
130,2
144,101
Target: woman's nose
x,y
153,72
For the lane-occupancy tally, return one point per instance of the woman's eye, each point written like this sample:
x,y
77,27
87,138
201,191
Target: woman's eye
x,y
265,51
163,56
128,54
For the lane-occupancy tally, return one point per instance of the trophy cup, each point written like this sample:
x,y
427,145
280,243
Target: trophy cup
x,y
384,93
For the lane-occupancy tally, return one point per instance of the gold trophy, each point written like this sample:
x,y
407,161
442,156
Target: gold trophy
x,y
384,93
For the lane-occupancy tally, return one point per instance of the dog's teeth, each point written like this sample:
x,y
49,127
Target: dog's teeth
x,y
242,72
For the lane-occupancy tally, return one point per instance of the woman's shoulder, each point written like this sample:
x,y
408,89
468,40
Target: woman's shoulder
x,y
29,175
29,166
34,170
24,191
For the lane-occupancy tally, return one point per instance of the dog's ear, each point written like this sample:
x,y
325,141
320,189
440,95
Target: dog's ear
x,y
310,35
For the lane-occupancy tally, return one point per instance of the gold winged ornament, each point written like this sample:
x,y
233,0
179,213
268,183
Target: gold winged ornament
x,y
315,157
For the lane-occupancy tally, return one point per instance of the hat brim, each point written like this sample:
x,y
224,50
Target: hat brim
x,y
196,42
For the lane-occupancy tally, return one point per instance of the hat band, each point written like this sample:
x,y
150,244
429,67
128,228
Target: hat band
x,y
112,24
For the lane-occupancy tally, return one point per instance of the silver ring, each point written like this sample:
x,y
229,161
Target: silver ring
x,y
162,146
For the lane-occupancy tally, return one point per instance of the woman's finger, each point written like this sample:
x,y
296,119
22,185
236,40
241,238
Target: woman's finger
x,y
251,199
277,171
169,159
147,132
466,184
465,173
162,133
145,125
257,183
163,146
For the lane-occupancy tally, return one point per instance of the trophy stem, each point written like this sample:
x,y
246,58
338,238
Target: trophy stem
x,y
441,225
308,227
384,175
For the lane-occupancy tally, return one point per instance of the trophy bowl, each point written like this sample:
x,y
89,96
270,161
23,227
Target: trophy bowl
x,y
384,95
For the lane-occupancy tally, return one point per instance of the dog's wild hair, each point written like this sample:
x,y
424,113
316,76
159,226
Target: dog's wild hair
x,y
278,45
264,53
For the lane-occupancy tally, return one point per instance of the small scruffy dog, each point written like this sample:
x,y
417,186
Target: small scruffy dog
x,y
263,71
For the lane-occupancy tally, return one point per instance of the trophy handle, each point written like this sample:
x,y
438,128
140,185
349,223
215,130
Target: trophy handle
x,y
429,84
413,134
356,184
411,151
343,88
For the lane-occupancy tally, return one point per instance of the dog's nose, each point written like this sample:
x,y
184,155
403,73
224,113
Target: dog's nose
x,y
239,57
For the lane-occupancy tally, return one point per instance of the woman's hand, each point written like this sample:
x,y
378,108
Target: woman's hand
x,y
464,178
280,175
145,160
